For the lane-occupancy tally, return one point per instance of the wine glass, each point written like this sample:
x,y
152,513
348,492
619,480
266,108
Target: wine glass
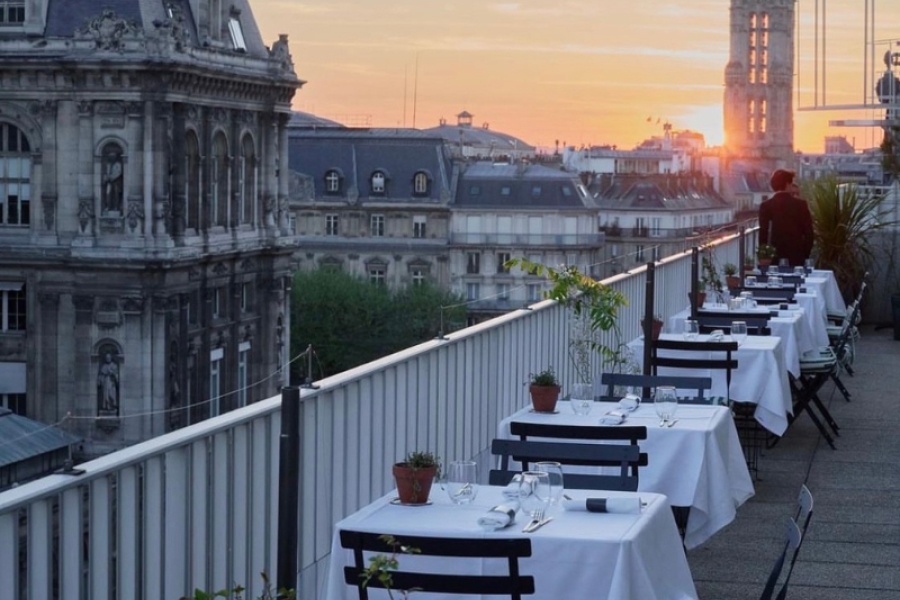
x,y
739,331
582,398
666,403
809,264
691,329
554,472
462,481
534,492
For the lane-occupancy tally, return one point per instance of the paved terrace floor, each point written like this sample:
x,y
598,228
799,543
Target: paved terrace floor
x,y
852,549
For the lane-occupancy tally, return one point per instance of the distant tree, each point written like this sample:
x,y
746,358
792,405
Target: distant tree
x,y
349,321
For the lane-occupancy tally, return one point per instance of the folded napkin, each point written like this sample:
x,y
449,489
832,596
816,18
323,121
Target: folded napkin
x,y
498,517
613,417
511,491
626,505
630,402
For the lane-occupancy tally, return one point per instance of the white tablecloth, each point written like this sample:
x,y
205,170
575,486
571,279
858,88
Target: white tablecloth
x,y
834,301
698,462
589,556
761,377
791,326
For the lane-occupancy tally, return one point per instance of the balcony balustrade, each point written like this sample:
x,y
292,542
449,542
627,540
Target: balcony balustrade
x,y
519,240
197,508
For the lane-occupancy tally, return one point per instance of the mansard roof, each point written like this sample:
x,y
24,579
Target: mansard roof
x,y
663,192
33,438
489,185
357,153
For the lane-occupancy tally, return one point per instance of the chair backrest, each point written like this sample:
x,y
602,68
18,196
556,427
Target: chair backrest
x,y
700,385
514,584
755,321
718,356
595,453
764,295
626,457
792,539
802,518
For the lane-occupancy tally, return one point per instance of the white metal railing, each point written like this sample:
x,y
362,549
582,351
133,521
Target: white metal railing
x,y
197,508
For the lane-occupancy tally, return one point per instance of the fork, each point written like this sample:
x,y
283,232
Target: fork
x,y
535,519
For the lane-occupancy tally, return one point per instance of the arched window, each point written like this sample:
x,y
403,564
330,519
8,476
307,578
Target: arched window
x,y
192,181
247,196
378,182
332,182
219,181
15,176
420,184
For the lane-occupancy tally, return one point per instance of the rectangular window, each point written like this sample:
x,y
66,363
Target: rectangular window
x,y
15,186
534,292
12,306
638,253
376,225
655,254
655,226
245,297
418,277
419,226
243,370
331,225
502,259
473,263
216,303
377,275
473,291
215,380
12,12
503,291
14,402
571,259
237,35
614,250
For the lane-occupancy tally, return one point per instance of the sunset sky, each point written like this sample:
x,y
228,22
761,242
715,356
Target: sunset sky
x,y
577,71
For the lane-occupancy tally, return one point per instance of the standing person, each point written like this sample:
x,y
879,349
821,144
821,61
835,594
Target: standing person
x,y
784,220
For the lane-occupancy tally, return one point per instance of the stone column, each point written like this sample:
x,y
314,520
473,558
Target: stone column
x,y
88,200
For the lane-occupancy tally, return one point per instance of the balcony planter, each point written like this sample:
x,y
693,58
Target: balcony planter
x,y
544,390
414,477
656,328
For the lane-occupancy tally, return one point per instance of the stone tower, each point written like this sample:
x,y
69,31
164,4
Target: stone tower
x,y
759,123
144,246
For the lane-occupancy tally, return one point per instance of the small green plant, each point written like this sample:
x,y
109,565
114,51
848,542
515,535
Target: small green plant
x,y
381,565
422,460
766,251
709,275
237,592
547,377
730,269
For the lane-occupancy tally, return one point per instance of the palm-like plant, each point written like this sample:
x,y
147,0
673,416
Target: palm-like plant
x,y
843,221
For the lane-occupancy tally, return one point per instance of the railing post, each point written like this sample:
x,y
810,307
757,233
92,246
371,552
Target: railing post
x,y
742,251
288,488
695,277
649,313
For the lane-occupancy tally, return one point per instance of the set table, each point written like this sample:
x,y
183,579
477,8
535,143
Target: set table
x,y
698,462
589,556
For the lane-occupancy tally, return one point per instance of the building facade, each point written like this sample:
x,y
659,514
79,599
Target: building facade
x,y
759,77
144,247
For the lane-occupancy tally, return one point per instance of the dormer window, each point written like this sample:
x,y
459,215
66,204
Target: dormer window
x,y
12,12
379,182
420,184
237,34
332,182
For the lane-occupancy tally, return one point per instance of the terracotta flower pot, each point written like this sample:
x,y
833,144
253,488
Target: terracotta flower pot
x,y
543,397
413,485
655,330
732,281
701,298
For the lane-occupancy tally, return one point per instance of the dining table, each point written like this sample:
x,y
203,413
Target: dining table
x,y
579,554
761,377
696,462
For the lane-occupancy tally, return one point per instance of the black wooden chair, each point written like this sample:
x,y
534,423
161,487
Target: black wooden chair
x,y
700,386
757,324
583,446
514,585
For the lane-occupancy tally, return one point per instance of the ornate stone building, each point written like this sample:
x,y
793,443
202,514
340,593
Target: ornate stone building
x,y
759,122
144,246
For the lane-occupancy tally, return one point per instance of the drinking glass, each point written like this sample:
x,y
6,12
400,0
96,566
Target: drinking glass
x,y
534,492
809,264
799,271
554,472
783,263
462,481
691,329
582,398
739,331
750,280
666,403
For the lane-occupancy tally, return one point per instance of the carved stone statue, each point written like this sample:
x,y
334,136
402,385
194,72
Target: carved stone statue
x,y
112,192
108,386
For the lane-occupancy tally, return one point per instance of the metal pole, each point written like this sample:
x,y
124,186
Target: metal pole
x,y
649,298
288,488
695,277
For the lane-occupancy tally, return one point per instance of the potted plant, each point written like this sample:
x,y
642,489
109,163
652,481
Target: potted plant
x,y
765,254
544,389
415,475
655,327
731,277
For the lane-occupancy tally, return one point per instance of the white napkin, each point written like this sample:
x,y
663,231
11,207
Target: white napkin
x,y
627,505
498,517
511,491
630,402
613,417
